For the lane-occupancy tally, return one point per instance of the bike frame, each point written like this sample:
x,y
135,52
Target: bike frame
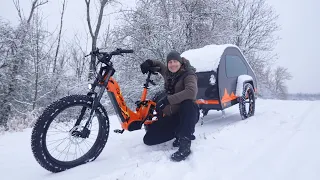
x,y
130,120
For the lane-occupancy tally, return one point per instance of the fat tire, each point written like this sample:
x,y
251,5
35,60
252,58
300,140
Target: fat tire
x,y
247,89
43,122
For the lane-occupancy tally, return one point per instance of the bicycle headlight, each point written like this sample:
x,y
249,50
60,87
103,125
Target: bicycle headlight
x,y
90,86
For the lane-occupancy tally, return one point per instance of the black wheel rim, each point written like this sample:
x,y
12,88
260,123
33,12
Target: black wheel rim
x,y
249,102
80,146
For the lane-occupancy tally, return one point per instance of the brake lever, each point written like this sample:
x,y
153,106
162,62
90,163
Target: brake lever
x,y
100,57
94,52
87,55
153,83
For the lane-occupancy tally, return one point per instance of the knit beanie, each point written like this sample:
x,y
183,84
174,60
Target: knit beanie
x,y
174,55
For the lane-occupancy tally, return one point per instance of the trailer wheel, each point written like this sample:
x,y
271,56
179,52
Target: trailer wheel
x,y
247,101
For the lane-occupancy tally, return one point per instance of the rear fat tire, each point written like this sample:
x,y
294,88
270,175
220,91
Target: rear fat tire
x,y
38,144
248,91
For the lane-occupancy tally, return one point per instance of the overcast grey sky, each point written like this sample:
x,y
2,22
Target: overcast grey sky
x,y
297,49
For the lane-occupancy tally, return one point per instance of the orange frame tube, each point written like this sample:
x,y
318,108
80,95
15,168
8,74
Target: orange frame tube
x,y
130,116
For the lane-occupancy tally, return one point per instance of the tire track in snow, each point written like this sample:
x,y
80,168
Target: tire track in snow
x,y
273,146
222,122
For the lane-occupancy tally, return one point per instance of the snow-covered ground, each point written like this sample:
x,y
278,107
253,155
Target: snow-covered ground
x,y
280,142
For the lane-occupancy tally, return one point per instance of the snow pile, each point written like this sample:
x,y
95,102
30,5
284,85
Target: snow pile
x,y
241,79
281,142
206,58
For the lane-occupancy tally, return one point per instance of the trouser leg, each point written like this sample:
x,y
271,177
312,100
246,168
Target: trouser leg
x,y
189,116
162,130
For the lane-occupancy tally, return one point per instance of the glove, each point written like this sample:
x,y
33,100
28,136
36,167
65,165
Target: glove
x,y
145,66
162,103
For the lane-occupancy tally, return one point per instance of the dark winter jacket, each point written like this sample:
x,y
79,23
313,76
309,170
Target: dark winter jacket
x,y
185,87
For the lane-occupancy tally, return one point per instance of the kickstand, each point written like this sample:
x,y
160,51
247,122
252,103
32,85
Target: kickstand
x,y
202,120
203,113
119,131
223,114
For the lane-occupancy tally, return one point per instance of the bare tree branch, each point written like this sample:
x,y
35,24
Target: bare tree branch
x,y
102,5
106,36
94,35
59,36
18,8
35,5
88,18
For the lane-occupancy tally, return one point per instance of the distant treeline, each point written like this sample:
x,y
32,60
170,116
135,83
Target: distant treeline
x,y
303,96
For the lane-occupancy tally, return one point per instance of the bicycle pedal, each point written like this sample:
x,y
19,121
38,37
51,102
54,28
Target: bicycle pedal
x,y
119,131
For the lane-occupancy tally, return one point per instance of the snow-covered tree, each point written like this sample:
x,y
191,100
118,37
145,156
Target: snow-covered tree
x,y
157,26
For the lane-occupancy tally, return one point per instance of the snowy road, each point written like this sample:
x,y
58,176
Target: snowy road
x,y
280,142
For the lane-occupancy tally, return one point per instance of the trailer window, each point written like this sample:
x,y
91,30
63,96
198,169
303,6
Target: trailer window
x,y
235,66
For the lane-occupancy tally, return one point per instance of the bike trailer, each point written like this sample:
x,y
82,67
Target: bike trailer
x,y
225,78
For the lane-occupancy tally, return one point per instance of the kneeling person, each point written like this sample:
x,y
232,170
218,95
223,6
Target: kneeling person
x,y
179,107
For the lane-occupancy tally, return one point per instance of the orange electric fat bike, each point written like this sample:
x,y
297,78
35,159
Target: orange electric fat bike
x,y
74,129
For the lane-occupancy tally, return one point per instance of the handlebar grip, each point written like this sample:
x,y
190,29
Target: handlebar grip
x,y
126,51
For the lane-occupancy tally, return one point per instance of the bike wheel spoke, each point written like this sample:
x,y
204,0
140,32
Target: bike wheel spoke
x,y
86,144
74,145
75,150
54,133
63,150
63,127
80,148
55,141
89,143
66,157
59,130
55,147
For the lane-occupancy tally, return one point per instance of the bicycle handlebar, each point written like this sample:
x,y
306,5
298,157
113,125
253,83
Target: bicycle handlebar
x,y
120,51
105,56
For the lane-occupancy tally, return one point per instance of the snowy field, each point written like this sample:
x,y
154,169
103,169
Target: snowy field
x,y
279,143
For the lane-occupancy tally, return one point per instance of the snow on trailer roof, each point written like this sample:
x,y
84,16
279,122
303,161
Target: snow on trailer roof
x,y
206,58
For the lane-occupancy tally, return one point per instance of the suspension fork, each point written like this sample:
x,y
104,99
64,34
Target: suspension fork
x,y
96,99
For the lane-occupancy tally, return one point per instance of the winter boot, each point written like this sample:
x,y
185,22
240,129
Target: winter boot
x,y
183,151
176,143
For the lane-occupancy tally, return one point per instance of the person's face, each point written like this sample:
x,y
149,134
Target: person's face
x,y
174,66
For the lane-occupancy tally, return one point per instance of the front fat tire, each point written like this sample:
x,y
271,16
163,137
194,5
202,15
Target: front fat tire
x,y
40,128
248,91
